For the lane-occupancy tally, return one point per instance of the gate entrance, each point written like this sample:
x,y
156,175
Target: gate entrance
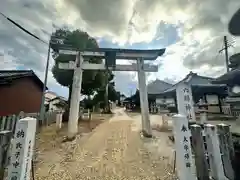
x,y
110,56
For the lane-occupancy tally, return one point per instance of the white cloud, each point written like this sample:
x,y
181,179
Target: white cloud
x,y
200,24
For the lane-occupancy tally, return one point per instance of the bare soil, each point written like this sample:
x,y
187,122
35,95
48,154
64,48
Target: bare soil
x,y
105,150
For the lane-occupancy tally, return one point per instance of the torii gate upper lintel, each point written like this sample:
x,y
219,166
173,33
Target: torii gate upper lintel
x,y
110,55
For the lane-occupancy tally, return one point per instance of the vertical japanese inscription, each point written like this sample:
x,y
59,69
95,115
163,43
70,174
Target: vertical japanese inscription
x,y
18,148
187,103
28,159
21,155
186,154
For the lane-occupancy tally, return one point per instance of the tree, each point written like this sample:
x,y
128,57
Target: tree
x,y
112,95
92,81
135,99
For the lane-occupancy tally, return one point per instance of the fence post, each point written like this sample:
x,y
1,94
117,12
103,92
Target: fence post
x,y
14,119
184,160
158,109
8,123
203,116
214,154
164,121
199,152
5,138
226,149
59,120
22,149
3,122
46,117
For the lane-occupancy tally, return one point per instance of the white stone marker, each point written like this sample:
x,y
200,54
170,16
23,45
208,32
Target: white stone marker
x,y
185,101
215,159
184,161
203,117
59,119
22,149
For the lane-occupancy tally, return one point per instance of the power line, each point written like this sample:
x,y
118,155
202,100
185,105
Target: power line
x,y
22,28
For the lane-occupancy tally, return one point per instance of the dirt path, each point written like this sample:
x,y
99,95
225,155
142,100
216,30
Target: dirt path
x,y
112,151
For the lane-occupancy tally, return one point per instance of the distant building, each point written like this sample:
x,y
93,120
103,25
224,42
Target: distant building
x,y
232,80
202,88
53,102
49,95
20,90
155,89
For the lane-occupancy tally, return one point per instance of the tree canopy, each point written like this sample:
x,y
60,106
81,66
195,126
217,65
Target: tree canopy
x,y
92,81
135,98
112,94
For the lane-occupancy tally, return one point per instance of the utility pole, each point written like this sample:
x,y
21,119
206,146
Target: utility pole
x,y
226,46
226,52
42,108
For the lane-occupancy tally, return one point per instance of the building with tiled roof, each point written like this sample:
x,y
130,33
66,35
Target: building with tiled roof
x,y
20,90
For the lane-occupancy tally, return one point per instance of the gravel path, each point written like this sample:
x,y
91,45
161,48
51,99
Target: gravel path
x,y
112,151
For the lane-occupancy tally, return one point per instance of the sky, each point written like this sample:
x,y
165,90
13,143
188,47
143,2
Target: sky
x,y
191,31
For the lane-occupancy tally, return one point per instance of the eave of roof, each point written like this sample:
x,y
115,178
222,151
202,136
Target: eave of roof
x,y
6,76
158,86
60,98
155,52
230,78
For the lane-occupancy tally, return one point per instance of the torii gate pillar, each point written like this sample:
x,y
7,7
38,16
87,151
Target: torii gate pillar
x,y
146,125
75,98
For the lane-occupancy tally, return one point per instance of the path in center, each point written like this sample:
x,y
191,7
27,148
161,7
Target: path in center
x,y
114,151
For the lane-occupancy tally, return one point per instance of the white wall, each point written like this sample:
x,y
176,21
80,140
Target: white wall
x,y
212,99
168,101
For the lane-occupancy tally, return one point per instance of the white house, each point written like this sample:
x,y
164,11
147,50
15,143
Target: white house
x,y
53,102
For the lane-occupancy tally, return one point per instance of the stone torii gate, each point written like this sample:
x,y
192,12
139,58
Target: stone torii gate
x,y
110,56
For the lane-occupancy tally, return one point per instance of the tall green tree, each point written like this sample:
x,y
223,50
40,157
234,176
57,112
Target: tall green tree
x,y
113,95
92,81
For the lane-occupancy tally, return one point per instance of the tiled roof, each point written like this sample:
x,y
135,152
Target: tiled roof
x,y
194,80
230,78
6,76
158,86
13,73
